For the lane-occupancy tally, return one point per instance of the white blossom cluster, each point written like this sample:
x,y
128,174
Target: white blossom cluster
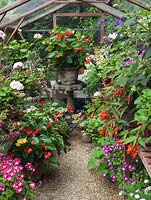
x,y
37,36
18,65
16,85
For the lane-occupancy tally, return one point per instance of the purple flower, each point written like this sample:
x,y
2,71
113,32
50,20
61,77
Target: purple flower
x,y
118,23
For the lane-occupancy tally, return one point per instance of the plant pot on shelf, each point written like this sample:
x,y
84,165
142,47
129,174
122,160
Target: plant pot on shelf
x,y
68,76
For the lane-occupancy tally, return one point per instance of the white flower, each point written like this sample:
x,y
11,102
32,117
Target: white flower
x,y
137,196
146,181
96,94
19,30
18,65
16,85
137,190
37,36
120,193
131,194
112,36
2,35
142,199
147,189
31,108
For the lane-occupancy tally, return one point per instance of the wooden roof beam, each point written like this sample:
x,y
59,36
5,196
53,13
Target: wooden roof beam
x,y
44,14
141,4
108,9
28,13
12,5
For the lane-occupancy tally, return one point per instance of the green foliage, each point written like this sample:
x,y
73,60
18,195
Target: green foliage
x,y
16,51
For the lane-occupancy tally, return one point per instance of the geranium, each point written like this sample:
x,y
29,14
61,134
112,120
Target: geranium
x,y
16,85
66,48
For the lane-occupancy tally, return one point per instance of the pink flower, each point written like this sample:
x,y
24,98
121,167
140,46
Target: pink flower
x,y
2,188
32,185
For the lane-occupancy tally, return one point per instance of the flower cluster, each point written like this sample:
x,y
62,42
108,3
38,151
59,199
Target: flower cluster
x,y
13,179
66,48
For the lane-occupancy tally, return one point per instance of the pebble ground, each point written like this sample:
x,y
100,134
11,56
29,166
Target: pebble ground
x,y
73,180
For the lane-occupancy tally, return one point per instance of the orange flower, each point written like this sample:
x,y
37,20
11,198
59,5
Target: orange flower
x,y
132,150
59,36
104,115
120,141
102,132
115,131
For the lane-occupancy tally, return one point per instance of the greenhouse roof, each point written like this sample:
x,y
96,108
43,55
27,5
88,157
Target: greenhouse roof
x,y
24,12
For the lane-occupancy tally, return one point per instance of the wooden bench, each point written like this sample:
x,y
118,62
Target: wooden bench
x,y
145,155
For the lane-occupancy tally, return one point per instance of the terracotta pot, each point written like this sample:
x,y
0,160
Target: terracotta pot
x,y
68,76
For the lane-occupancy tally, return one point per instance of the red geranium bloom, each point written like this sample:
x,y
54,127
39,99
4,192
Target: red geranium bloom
x,y
104,115
42,102
69,108
47,154
68,33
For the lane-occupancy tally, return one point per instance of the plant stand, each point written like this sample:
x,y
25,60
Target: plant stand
x,y
69,89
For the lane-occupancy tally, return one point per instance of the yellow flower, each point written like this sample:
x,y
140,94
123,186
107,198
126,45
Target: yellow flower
x,y
21,141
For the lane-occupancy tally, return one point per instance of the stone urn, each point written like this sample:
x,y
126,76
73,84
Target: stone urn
x,y
68,76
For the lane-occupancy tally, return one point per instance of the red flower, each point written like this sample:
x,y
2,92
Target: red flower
x,y
104,115
32,142
68,33
87,61
51,33
86,39
69,108
48,125
47,154
28,150
42,102
58,114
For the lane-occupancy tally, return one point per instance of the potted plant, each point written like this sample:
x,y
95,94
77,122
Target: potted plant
x,y
67,51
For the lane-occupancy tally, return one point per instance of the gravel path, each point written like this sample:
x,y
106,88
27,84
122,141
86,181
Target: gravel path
x,y
73,181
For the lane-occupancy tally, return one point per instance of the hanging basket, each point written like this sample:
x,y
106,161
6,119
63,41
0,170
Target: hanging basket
x,y
68,76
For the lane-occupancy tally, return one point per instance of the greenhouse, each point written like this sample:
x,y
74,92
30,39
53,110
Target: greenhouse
x,y
75,99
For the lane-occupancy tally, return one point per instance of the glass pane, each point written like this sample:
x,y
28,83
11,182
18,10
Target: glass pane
x,y
22,9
